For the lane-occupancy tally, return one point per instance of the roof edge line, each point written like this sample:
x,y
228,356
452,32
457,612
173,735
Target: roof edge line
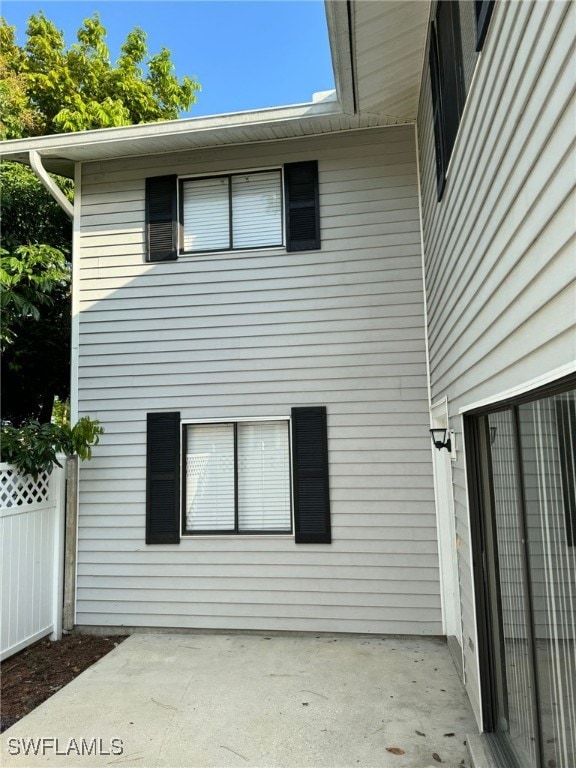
x,y
287,113
338,18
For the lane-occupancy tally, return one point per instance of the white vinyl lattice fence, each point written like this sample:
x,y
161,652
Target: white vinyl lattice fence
x,y
32,552
22,490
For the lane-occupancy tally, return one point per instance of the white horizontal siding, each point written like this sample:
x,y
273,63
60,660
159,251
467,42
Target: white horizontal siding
x,y
499,247
253,334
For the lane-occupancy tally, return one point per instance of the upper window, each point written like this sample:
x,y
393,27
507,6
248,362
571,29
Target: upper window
x,y
236,211
237,478
483,11
232,212
447,75
447,80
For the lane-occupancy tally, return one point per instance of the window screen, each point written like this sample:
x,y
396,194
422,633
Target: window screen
x,y
263,476
232,212
238,478
256,210
210,478
206,213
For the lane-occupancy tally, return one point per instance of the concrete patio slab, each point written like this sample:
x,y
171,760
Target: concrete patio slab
x,y
221,701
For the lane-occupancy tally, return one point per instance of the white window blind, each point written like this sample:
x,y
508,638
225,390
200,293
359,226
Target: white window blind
x,y
232,212
206,211
263,477
254,495
210,478
256,210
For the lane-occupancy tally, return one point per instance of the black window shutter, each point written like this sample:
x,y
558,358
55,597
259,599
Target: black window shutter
x,y
451,70
302,206
163,478
310,468
437,114
447,81
484,10
161,219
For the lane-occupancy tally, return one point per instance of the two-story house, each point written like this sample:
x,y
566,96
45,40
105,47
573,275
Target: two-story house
x,y
272,308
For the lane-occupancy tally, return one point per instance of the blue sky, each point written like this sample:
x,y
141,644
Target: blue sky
x,y
246,55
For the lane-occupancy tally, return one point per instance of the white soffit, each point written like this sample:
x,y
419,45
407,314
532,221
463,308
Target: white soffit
x,y
388,44
59,152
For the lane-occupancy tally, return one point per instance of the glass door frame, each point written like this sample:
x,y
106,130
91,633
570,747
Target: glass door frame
x,y
486,568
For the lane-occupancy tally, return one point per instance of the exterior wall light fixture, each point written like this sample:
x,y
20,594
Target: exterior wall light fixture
x,y
441,438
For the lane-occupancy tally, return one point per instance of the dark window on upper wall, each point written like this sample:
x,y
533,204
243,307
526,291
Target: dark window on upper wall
x,y
447,81
483,10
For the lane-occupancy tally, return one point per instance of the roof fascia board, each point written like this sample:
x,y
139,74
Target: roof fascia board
x,y
271,140
432,4
339,16
245,120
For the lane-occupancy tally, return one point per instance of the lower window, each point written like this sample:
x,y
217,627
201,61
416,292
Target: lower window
x,y
237,478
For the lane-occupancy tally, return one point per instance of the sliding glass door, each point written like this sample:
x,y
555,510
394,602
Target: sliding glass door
x,y
523,456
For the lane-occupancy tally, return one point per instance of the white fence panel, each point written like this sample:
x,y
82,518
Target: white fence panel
x,y
32,551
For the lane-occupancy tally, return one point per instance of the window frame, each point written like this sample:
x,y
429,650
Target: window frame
x,y
479,492
566,425
482,13
185,532
445,104
229,176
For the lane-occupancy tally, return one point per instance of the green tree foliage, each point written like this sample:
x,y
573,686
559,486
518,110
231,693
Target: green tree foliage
x,y
36,367
48,87
33,448
17,117
35,298
29,212
30,278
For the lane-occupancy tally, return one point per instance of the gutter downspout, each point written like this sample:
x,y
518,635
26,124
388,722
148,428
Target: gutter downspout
x,y
51,186
70,524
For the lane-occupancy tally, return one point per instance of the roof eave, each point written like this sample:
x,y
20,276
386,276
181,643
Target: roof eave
x,y
378,51
339,20
60,151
